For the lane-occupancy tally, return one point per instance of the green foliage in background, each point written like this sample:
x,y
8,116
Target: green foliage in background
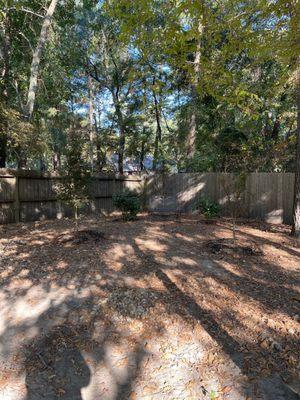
x,y
126,72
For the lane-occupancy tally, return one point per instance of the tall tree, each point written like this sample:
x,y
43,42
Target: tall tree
x,y
5,74
296,204
195,79
36,59
158,135
91,121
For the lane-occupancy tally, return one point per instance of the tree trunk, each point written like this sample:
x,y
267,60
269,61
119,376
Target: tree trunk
x,y
21,157
155,155
296,206
42,165
22,162
122,132
275,130
91,121
3,147
6,51
99,158
191,138
190,152
56,161
76,218
36,59
121,151
100,155
158,135
142,156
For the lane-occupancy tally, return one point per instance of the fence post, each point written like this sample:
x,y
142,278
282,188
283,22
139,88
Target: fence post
x,y
16,199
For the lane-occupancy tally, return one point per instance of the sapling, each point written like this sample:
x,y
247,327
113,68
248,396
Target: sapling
x,y
73,187
234,190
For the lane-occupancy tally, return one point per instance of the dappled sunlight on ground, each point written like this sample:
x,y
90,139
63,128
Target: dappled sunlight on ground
x,y
148,309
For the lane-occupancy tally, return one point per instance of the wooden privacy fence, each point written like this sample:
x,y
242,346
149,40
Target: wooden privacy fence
x,y
31,196
267,196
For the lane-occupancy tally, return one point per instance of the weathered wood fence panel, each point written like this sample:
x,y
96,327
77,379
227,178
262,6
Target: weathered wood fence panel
x,y
31,196
267,196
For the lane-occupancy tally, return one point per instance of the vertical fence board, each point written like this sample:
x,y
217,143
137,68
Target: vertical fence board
x,y
287,196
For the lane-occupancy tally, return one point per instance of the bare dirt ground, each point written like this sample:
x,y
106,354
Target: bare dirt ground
x,y
158,308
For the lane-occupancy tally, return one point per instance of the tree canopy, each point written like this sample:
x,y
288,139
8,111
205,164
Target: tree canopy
x,y
165,85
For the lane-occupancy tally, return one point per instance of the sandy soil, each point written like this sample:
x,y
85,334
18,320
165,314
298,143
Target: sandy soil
x,y
162,307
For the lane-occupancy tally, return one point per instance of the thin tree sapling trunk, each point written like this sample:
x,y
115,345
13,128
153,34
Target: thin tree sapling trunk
x,y
76,218
296,206
233,228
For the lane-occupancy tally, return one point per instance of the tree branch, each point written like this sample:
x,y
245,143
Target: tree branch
x,y
26,11
94,75
27,40
16,87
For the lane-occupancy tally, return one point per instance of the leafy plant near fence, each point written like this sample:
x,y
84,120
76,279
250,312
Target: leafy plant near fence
x,y
208,208
128,202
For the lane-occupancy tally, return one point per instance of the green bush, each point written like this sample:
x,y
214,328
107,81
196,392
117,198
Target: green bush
x,y
207,207
128,202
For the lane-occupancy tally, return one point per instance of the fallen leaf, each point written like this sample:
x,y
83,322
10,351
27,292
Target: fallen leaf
x,y
226,389
210,358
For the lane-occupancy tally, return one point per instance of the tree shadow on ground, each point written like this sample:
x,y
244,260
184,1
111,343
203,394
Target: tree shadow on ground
x,y
55,359
142,250
239,352
56,368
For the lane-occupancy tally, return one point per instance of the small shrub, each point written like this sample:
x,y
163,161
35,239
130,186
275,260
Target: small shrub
x,y
208,208
128,202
